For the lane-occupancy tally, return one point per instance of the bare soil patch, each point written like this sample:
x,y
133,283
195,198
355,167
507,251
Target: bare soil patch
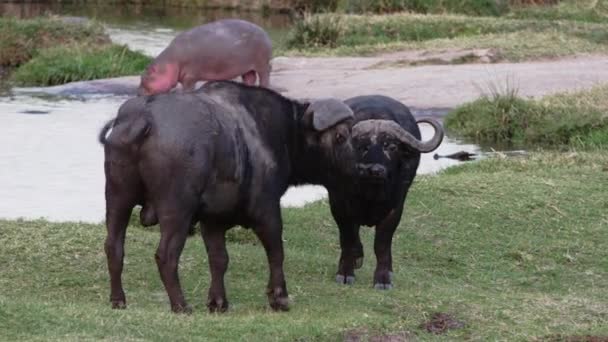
x,y
440,323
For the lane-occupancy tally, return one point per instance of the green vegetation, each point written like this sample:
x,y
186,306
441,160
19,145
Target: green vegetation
x,y
65,64
570,119
468,7
516,39
24,39
580,10
47,51
583,10
515,248
316,32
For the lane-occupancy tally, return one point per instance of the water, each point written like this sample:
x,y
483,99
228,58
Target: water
x,y
51,165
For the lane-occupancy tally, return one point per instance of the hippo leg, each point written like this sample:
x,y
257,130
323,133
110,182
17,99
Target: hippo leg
x,y
249,78
269,232
119,206
215,243
188,83
175,220
382,247
264,72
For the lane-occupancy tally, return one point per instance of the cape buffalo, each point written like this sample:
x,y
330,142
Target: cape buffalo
x,y
387,147
223,156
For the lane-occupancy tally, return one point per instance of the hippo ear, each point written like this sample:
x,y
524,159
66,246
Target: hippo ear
x,y
328,112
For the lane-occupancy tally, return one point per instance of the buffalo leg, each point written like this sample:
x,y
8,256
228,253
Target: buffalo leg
x,y
215,243
358,250
270,232
174,226
351,250
118,212
382,248
119,205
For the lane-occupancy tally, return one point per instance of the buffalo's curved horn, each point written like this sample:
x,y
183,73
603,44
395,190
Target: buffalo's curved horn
x,y
328,112
375,126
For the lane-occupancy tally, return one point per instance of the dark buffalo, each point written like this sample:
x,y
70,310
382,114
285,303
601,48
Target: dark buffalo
x,y
387,147
222,156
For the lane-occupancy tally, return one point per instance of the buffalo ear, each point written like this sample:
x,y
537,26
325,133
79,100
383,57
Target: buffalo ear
x,y
328,112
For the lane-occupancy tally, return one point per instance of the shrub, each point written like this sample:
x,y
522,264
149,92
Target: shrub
x,y
316,31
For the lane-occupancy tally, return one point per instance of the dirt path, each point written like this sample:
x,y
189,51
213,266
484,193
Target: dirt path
x,y
433,86
429,86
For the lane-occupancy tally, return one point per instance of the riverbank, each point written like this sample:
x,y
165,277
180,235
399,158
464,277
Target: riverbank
x,y
426,86
48,51
24,39
542,9
427,39
512,39
514,248
504,118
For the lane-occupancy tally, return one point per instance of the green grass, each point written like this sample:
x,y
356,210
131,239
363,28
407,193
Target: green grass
x,y
47,51
516,39
563,120
515,248
468,7
70,63
24,38
579,10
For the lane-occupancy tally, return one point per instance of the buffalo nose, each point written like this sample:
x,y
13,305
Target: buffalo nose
x,y
377,170
374,170
362,169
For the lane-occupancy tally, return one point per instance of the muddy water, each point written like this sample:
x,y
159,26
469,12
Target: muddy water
x,y
51,165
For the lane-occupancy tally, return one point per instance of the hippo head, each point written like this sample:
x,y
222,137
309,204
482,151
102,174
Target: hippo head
x,y
158,78
327,134
381,147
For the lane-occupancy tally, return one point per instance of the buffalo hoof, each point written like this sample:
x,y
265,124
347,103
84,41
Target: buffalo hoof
x,y
182,309
218,305
358,263
342,280
119,304
384,282
379,286
278,299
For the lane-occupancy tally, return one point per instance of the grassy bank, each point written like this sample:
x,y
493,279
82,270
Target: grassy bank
x,y
24,39
49,51
65,64
562,120
515,248
516,39
467,7
579,10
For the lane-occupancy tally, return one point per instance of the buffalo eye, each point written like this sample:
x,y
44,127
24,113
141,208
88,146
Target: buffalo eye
x,y
387,146
340,139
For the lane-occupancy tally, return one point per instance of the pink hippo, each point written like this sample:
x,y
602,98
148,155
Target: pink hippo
x,y
220,50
